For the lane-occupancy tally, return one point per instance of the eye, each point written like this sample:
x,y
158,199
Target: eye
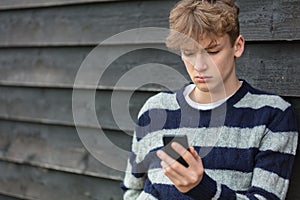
x,y
213,52
189,53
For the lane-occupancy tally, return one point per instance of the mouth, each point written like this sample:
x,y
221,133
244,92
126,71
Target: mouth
x,y
202,79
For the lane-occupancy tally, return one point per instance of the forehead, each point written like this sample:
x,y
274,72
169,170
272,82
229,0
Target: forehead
x,y
206,42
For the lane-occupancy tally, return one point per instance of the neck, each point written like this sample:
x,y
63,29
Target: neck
x,y
205,97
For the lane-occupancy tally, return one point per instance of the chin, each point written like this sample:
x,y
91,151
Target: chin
x,y
202,88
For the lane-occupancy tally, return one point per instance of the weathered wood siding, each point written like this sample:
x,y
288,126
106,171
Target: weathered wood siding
x,y
42,46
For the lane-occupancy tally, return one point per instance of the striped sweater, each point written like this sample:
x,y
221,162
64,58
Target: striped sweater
x,y
247,146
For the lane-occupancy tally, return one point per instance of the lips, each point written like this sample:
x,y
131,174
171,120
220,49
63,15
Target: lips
x,y
202,78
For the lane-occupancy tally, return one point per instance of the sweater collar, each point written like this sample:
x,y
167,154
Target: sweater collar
x,y
242,91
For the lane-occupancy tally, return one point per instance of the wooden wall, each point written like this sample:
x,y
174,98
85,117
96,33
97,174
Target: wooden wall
x,y
44,42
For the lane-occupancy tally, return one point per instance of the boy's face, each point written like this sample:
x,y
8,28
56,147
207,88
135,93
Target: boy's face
x,y
211,65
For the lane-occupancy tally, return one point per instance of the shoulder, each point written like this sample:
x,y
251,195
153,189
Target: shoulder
x,y
257,99
162,100
275,112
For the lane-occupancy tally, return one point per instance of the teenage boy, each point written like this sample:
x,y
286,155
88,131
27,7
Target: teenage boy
x,y
242,141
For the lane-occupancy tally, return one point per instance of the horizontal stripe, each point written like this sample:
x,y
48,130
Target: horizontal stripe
x,y
268,195
283,122
159,102
233,179
270,182
230,159
131,181
218,158
283,142
278,163
163,191
139,169
236,183
241,197
131,194
219,137
146,196
223,137
259,197
158,119
157,176
257,101
223,158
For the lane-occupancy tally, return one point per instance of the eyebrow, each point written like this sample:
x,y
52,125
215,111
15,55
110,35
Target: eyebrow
x,y
212,44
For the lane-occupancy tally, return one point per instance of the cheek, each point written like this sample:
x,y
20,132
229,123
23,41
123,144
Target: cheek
x,y
189,67
224,63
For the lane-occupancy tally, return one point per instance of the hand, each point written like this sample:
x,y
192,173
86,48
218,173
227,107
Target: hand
x,y
183,178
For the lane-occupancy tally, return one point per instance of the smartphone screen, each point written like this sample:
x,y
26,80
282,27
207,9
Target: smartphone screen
x,y
181,139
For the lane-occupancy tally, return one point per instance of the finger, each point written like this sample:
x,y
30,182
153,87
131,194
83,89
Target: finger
x,y
171,173
178,148
163,164
165,157
185,154
194,153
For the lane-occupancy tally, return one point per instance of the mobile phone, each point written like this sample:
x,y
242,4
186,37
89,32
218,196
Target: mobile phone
x,y
181,139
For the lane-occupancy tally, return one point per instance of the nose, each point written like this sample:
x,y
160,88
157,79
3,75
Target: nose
x,y
200,62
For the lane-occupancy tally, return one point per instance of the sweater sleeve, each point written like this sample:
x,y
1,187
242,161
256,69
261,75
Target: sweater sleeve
x,y
134,179
136,171
273,165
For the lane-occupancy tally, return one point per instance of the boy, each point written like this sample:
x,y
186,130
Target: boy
x,y
243,141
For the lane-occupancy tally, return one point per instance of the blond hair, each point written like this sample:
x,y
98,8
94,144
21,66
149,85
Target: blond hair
x,y
199,18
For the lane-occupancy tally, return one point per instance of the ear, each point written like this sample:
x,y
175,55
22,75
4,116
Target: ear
x,y
239,46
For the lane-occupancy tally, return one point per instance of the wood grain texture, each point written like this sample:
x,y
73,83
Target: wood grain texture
x,y
42,46
79,24
34,183
24,4
270,19
89,24
5,197
60,148
272,67
269,66
52,106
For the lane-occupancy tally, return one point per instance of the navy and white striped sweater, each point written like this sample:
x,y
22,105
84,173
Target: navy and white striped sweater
x,y
247,146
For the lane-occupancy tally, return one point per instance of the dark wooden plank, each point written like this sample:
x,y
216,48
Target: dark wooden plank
x,y
61,148
58,67
270,20
24,181
16,4
79,24
52,106
269,66
4,197
52,67
93,23
272,67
